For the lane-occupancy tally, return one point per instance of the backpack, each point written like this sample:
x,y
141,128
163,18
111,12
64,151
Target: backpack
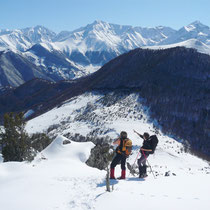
x,y
128,145
154,143
125,147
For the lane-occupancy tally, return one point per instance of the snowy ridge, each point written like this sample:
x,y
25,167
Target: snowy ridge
x,y
23,39
103,36
195,30
96,114
191,43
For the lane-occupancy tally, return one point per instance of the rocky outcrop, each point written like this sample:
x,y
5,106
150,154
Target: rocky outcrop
x,y
100,156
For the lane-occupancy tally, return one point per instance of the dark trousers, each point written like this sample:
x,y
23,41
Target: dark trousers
x,y
117,160
142,164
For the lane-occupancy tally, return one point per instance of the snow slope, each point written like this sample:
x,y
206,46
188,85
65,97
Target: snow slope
x,y
191,43
57,182
59,178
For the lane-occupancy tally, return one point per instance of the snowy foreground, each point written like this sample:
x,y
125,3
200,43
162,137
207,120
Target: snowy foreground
x,y
60,179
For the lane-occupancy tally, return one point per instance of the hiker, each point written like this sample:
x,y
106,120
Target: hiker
x,y
122,152
146,150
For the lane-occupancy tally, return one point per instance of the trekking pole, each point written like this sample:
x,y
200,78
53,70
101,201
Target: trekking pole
x,y
134,163
148,164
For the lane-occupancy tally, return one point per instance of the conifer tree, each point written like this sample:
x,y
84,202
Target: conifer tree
x,y
15,142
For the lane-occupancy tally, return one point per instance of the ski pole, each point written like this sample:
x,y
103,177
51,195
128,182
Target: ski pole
x,y
148,164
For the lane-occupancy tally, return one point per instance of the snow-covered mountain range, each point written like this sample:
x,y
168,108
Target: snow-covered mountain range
x,y
70,55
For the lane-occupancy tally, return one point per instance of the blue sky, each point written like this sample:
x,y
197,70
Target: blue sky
x,y
59,15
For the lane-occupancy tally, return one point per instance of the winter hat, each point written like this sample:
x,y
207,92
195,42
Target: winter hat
x,y
146,135
123,135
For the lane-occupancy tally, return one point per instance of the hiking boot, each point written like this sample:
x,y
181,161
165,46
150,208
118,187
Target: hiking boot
x,y
119,178
143,175
123,174
112,178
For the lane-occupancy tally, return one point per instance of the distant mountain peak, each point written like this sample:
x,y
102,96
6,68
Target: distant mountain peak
x,y
40,27
99,22
159,27
196,25
197,22
99,25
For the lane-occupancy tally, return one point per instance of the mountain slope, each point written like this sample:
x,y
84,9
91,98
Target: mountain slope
x,y
174,84
39,62
15,69
54,63
31,95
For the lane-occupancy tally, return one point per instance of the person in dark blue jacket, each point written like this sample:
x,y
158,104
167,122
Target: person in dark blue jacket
x,y
145,150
